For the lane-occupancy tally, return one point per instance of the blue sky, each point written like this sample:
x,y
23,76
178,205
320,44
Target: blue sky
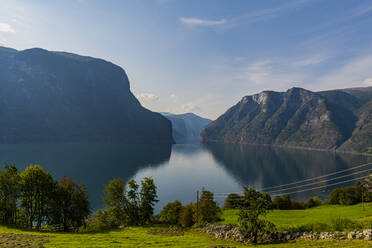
x,y
203,56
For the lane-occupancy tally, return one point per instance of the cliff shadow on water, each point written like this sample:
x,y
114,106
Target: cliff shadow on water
x,y
267,166
92,164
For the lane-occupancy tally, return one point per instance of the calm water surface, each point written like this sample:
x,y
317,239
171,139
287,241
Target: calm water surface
x,y
180,170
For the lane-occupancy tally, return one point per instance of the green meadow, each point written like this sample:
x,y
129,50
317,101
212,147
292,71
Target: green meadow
x,y
325,214
145,237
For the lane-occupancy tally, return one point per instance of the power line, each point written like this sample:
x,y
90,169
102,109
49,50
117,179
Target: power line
x,y
324,186
319,187
323,181
305,180
326,175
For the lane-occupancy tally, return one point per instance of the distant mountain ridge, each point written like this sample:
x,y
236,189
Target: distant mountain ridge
x,y
327,120
62,97
186,127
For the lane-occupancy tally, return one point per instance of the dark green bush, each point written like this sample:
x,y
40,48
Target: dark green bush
x,y
170,213
232,201
187,216
313,202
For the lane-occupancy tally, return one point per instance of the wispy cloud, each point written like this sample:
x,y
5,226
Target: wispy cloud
x,y
190,107
201,22
268,13
356,72
266,74
368,81
312,60
6,28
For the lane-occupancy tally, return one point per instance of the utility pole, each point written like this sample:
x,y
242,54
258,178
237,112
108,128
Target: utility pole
x,y
197,206
363,198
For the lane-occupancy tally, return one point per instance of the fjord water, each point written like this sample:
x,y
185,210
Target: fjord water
x,y
180,170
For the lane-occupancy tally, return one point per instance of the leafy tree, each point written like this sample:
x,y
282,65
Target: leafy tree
x,y
37,187
9,193
297,205
186,216
148,197
346,195
134,206
70,205
313,202
232,201
116,200
252,224
208,210
282,202
171,213
133,203
98,222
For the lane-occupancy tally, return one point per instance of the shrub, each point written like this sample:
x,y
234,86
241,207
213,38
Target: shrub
x,y
232,201
99,221
171,213
312,227
297,205
344,224
282,202
313,202
187,216
346,196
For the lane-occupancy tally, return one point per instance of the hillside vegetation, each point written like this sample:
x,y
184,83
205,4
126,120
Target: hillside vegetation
x,y
328,120
144,237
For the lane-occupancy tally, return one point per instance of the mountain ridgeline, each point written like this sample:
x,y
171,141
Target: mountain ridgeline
x,y
327,120
52,97
186,127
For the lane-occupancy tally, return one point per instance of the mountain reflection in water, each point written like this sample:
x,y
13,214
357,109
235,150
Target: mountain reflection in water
x,y
181,170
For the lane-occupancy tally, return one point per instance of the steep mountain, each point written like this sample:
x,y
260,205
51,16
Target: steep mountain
x,y
61,97
186,128
298,118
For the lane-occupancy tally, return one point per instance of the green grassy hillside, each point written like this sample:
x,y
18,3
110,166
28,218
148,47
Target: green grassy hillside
x,y
141,237
284,219
138,237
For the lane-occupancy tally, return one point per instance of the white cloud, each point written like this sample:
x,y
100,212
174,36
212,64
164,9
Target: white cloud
x,y
313,60
6,28
201,22
147,97
173,97
352,74
190,107
368,81
265,74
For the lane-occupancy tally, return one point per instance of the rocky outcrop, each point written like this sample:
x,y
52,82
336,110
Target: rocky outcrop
x,y
53,97
326,120
232,233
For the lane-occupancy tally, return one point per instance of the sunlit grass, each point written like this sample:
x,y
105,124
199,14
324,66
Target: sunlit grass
x,y
283,219
141,237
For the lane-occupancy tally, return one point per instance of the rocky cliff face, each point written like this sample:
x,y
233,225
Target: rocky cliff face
x,y
297,118
61,97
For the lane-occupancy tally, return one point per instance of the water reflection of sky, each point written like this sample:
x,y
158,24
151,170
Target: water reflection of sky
x,y
179,171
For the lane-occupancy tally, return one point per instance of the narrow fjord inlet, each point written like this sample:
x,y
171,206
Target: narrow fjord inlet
x,y
185,124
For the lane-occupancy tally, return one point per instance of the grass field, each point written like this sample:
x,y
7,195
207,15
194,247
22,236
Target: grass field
x,y
139,237
143,237
284,219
